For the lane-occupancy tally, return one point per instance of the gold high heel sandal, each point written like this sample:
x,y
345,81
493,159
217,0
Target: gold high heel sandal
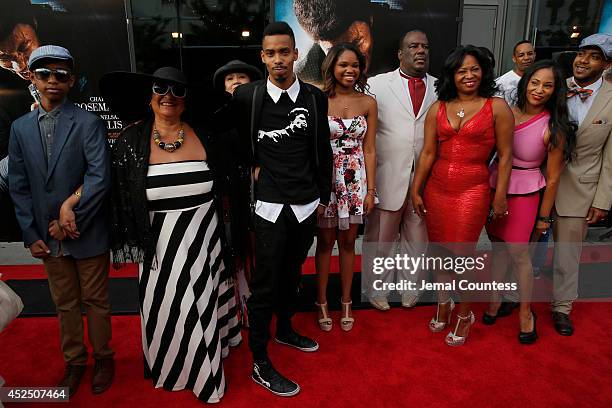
x,y
346,322
325,322
452,339
435,325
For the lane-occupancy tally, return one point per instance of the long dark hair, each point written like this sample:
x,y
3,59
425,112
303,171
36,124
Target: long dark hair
x,y
327,68
445,85
561,128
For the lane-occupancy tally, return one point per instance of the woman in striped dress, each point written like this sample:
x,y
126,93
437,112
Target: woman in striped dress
x,y
165,218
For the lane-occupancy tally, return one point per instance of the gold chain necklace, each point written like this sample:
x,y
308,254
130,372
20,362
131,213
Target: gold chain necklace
x,y
169,147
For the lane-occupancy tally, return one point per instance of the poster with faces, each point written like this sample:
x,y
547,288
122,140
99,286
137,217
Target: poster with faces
x,y
374,26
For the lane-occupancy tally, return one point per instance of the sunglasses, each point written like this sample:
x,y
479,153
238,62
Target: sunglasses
x,y
61,75
178,90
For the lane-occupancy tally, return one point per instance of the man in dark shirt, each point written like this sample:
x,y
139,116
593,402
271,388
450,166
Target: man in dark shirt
x,y
283,123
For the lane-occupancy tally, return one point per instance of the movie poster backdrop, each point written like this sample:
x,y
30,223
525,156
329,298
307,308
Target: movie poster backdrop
x,y
375,26
95,32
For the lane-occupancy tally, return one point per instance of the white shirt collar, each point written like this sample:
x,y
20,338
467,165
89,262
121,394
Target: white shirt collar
x,y
423,78
275,92
594,86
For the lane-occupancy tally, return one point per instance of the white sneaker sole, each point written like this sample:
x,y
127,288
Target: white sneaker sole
x,y
306,350
280,394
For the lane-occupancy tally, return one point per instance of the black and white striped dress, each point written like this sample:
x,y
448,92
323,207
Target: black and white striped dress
x,y
188,313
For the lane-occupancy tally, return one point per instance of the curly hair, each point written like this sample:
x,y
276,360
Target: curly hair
x,y
328,19
561,128
329,63
445,85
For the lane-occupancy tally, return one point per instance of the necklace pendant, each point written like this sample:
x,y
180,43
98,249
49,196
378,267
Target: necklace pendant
x,y
461,113
169,147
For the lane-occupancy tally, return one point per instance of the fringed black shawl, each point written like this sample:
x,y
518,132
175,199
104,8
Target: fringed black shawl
x,y
131,236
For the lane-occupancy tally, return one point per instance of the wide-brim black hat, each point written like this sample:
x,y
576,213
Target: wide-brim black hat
x,y
231,67
129,93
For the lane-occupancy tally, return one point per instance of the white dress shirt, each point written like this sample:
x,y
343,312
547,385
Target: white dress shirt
x,y
508,83
578,108
271,211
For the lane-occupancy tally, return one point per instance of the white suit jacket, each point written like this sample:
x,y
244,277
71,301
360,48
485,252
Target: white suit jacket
x,y
399,139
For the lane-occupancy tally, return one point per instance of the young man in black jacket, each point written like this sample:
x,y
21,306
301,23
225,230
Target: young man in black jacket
x,y
283,125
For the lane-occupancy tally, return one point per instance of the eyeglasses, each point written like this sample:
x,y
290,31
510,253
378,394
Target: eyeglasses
x,y
61,75
178,90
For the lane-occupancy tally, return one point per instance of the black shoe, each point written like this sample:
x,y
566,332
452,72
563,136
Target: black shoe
x,y
563,324
506,308
265,375
72,378
529,337
488,319
298,341
537,272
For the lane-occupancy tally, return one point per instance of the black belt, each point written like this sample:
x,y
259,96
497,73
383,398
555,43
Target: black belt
x,y
524,168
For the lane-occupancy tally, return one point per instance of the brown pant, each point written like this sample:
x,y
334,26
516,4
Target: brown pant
x,y
568,233
73,282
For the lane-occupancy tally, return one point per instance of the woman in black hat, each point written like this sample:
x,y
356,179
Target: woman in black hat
x,y
235,73
236,187
165,218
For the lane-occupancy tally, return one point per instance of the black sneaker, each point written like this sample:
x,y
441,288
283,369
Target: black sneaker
x,y
266,376
298,341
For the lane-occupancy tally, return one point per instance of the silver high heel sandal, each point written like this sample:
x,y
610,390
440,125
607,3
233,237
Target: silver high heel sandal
x,y
346,322
452,339
435,325
325,322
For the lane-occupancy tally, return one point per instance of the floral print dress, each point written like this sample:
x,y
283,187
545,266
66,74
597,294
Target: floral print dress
x,y
350,184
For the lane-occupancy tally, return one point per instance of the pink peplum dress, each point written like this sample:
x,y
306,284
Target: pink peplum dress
x,y
526,181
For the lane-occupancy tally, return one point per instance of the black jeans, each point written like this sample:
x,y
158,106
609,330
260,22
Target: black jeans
x,y
280,250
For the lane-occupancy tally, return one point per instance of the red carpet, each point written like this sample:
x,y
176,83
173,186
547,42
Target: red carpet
x,y
590,254
389,360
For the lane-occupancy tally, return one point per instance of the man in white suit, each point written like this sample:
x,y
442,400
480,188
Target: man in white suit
x,y
403,96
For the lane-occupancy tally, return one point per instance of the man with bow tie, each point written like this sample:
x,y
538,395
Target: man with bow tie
x,y
585,190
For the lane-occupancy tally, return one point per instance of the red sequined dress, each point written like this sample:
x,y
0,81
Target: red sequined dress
x,y
457,193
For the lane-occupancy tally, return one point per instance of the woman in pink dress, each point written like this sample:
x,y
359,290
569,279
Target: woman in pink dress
x,y
542,133
352,119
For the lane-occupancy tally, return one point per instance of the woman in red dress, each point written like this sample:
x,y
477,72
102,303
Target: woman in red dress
x,y
462,129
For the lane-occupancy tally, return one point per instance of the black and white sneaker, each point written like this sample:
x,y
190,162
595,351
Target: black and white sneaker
x,y
265,375
298,341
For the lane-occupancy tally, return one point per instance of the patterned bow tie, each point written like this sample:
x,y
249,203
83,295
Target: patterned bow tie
x,y
581,92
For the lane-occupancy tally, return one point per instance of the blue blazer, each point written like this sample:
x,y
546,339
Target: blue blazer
x,y
80,155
